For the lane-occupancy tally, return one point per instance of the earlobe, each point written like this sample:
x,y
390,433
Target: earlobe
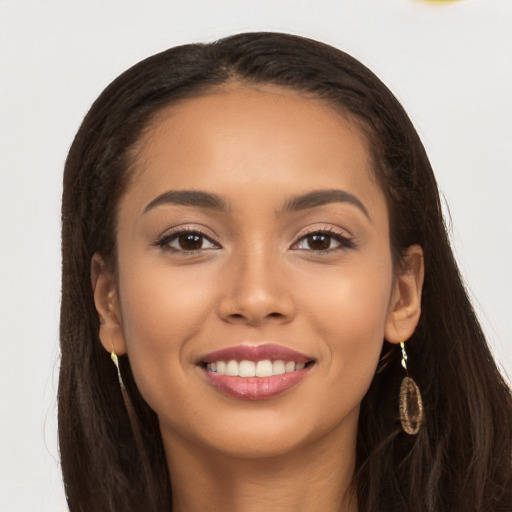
x,y
107,305
405,305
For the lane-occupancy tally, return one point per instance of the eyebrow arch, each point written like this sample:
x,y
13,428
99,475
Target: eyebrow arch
x,y
320,198
189,198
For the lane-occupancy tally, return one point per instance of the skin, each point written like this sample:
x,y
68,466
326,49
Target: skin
x,y
257,278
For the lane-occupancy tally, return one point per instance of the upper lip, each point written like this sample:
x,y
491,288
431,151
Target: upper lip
x,y
256,353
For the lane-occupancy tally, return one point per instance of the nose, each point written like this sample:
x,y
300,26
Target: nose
x,y
255,290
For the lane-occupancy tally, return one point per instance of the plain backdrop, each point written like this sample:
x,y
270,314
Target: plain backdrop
x,y
449,63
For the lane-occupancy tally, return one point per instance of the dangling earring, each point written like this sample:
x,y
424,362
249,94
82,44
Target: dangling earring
x,y
129,405
134,423
411,405
115,360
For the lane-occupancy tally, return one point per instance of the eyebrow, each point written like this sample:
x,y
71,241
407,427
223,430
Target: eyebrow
x,y
214,202
320,198
189,198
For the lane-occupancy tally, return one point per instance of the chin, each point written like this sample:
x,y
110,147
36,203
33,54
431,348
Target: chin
x,y
264,434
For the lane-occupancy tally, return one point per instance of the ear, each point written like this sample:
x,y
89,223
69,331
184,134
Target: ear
x,y
106,301
405,305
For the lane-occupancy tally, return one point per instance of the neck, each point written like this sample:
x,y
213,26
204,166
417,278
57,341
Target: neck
x,y
316,477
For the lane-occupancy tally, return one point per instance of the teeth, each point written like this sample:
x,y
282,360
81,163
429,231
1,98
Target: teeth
x,y
247,369
232,369
289,366
278,367
264,368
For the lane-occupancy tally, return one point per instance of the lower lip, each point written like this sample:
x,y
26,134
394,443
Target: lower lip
x,y
255,388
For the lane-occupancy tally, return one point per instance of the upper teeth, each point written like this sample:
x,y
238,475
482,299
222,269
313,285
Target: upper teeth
x,y
265,368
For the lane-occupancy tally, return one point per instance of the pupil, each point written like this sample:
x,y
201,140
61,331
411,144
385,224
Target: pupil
x,y
319,242
191,242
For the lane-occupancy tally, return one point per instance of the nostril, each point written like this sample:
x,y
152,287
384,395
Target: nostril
x,y
239,316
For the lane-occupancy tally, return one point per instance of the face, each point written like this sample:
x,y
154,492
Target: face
x,y
253,240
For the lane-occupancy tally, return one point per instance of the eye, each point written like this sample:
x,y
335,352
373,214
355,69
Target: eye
x,y
186,241
323,240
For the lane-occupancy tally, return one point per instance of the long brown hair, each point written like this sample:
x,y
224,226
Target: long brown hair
x,y
461,459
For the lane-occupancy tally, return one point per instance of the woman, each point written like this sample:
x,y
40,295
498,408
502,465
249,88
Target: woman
x,y
252,230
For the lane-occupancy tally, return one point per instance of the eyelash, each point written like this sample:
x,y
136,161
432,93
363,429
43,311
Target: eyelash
x,y
164,241
344,241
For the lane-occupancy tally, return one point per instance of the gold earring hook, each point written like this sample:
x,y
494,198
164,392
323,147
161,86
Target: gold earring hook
x,y
404,356
114,358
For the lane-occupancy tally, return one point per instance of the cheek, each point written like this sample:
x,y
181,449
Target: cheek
x,y
161,311
157,308
350,315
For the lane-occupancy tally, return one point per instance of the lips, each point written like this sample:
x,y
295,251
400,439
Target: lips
x,y
255,372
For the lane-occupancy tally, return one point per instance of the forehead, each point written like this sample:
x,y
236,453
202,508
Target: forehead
x,y
260,135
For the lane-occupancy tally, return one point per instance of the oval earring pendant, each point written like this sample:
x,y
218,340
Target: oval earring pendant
x,y
411,406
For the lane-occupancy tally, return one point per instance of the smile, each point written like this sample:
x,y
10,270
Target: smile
x,y
255,372
264,368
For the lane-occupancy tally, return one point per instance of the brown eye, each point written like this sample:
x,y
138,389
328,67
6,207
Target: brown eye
x,y
319,242
323,241
190,242
186,241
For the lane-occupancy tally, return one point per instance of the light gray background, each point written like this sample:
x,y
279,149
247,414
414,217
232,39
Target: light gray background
x,y
449,64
